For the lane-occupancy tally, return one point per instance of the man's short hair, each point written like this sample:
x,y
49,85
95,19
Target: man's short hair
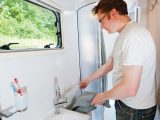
x,y
107,5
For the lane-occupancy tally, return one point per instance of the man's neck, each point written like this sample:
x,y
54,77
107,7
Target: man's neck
x,y
123,21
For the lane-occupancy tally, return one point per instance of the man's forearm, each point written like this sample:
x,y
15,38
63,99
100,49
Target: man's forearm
x,y
120,91
128,86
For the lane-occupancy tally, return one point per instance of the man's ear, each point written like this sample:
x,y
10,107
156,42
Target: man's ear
x,y
113,13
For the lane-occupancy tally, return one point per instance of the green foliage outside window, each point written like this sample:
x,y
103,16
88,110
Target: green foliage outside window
x,y
26,23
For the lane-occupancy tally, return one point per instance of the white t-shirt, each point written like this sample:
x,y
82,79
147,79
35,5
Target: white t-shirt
x,y
135,46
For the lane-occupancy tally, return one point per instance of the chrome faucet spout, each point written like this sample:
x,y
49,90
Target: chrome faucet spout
x,y
56,90
58,100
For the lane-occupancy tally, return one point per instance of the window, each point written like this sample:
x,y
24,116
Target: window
x,y
28,26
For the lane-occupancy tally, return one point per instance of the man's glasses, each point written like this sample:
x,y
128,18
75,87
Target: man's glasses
x,y
100,20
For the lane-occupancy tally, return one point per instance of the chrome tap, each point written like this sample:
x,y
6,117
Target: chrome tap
x,y
58,100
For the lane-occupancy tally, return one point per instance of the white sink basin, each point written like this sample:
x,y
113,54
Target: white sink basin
x,y
66,115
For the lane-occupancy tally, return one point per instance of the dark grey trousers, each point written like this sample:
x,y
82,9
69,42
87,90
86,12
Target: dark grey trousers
x,y
123,112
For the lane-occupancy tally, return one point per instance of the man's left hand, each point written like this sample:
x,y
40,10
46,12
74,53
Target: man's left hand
x,y
98,99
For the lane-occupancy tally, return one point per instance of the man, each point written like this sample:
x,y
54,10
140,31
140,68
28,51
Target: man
x,y
132,61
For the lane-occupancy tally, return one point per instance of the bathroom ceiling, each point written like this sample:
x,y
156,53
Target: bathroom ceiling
x,y
74,4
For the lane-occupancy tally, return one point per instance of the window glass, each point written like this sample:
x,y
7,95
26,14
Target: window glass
x,y
25,26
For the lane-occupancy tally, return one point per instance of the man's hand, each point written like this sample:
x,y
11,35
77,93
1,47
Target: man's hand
x,y
84,84
98,99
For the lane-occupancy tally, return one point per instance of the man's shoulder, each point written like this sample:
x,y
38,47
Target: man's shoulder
x,y
136,29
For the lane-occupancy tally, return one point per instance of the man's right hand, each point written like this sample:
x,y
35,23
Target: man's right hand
x,y
84,84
